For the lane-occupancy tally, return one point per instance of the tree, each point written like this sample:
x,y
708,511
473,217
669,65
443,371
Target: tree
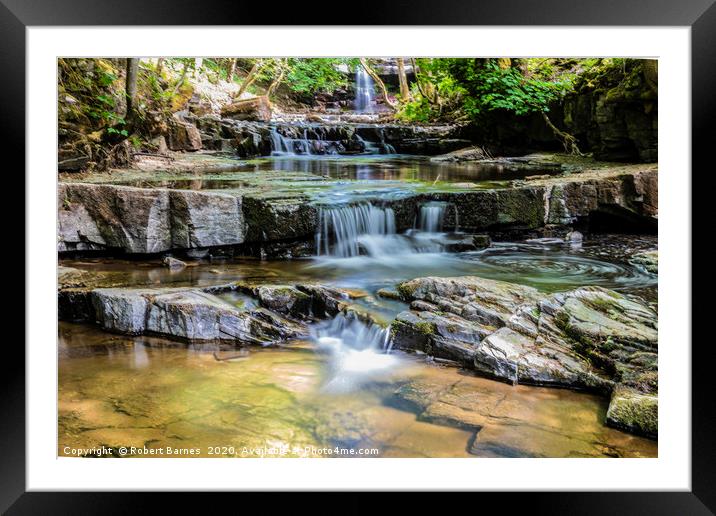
x,y
232,70
403,79
131,86
250,78
282,66
379,82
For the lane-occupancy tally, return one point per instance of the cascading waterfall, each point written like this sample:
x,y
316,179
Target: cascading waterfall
x,y
431,217
343,231
364,91
358,351
280,145
351,332
365,229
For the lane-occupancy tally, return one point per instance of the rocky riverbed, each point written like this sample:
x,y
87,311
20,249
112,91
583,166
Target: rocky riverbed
x,y
447,297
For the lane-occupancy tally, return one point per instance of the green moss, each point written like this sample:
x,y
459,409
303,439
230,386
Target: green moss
x,y
406,290
425,328
636,412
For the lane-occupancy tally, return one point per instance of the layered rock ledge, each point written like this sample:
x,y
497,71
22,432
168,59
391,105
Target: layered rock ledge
x,y
588,338
155,220
276,312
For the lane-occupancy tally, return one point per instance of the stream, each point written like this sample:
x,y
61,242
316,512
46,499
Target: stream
x,y
341,387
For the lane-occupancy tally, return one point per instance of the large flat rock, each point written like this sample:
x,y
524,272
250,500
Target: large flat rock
x,y
587,338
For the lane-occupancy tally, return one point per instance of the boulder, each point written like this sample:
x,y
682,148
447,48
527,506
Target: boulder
x,y
173,264
284,299
587,338
634,412
188,314
472,153
183,136
143,220
488,302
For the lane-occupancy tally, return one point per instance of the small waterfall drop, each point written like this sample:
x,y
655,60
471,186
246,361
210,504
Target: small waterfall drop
x,y
364,229
280,145
353,333
359,351
364,91
431,217
343,231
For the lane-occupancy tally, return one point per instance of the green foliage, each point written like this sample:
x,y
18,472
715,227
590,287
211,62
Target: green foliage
x,y
419,110
312,75
472,88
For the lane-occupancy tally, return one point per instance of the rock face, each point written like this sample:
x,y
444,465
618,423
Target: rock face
x,y
276,217
619,124
245,130
141,220
631,196
588,338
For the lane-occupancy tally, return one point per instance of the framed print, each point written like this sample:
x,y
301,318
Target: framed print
x,y
384,256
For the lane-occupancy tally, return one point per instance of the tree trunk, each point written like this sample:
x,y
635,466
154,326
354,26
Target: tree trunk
x,y
378,81
569,141
426,89
160,66
177,86
198,63
250,78
276,81
131,85
232,69
403,78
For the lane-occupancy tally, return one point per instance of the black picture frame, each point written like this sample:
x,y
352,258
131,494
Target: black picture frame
x,y
700,15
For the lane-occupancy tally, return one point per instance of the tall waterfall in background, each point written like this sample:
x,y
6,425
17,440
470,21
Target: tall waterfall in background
x,y
364,91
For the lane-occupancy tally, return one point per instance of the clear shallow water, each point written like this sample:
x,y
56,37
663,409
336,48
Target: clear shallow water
x,y
315,172
338,388
295,400
550,267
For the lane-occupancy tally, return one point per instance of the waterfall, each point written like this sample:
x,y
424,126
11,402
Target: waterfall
x,y
343,231
280,145
358,350
431,217
364,91
351,332
365,229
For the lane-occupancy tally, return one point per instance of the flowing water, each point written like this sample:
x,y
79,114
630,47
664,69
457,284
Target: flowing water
x,y
364,91
341,385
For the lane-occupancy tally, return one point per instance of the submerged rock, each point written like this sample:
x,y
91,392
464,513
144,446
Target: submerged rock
x,y
587,338
647,260
173,263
